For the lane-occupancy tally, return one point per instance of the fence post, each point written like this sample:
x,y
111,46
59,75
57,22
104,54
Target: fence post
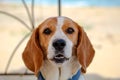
x,y
59,7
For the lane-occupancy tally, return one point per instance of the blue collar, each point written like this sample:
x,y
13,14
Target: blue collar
x,y
75,77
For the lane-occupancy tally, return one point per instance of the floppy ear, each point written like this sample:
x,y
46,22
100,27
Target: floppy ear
x,y
32,55
85,51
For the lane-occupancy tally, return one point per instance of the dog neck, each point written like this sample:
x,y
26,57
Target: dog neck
x,y
52,72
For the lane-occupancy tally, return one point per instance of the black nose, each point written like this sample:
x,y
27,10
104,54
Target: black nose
x,y
59,44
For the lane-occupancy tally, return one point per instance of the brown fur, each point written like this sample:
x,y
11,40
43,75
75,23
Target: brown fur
x,y
85,51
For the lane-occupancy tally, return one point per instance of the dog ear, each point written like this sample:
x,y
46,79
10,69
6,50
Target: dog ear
x,y
85,51
32,55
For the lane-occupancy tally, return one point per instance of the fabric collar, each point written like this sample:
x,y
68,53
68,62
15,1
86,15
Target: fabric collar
x,y
75,77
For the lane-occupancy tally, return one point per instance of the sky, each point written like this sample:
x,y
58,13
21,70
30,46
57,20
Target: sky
x,y
107,3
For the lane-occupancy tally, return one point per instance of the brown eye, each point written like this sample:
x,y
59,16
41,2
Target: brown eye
x,y
70,30
47,31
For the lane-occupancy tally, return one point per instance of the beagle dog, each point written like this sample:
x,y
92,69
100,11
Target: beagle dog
x,y
58,49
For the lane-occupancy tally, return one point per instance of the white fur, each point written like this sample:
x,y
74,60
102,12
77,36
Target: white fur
x,y
70,68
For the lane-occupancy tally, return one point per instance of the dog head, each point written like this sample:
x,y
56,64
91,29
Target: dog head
x,y
57,39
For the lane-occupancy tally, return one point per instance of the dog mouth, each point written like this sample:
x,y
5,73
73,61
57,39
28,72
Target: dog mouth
x,y
59,58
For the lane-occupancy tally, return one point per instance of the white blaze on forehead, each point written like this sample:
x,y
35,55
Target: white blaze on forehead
x,y
59,34
60,22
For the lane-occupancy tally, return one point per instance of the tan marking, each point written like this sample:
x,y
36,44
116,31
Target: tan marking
x,y
44,39
69,23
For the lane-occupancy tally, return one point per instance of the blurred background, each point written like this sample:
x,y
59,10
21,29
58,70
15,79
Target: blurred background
x,y
99,18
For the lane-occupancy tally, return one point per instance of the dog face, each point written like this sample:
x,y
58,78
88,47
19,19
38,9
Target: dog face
x,y
57,39
58,36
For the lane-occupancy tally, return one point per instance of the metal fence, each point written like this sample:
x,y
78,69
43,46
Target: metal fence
x,y
30,28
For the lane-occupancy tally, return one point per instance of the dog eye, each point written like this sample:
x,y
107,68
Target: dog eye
x,y
47,31
70,30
